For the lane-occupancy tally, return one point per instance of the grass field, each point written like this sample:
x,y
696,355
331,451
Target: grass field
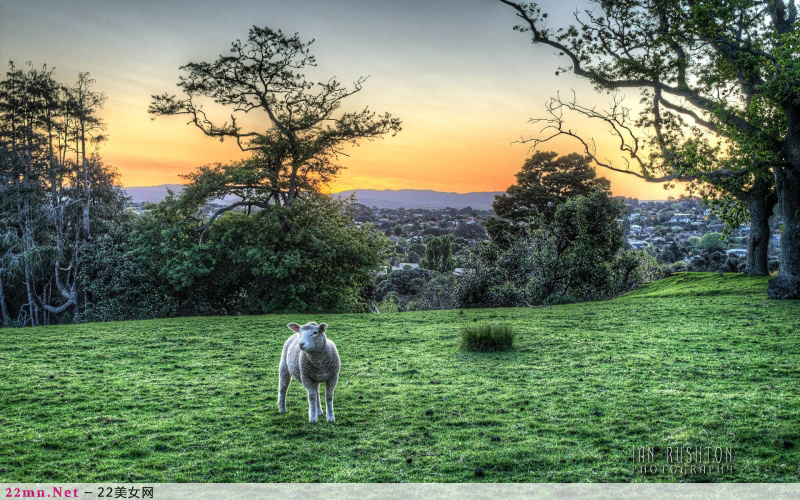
x,y
693,360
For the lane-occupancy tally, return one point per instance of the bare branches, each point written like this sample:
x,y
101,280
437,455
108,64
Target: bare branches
x,y
670,161
617,119
233,206
637,58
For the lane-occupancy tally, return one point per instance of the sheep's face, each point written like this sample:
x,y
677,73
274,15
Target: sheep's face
x,y
312,336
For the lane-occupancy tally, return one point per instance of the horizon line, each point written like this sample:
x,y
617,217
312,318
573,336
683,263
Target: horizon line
x,y
394,191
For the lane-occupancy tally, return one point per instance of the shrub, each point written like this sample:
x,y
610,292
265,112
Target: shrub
x,y
576,256
306,257
487,337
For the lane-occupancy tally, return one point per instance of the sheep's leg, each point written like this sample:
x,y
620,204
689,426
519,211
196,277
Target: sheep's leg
x,y
283,384
313,404
329,385
316,393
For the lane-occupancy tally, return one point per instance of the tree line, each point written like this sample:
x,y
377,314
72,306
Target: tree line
x,y
70,252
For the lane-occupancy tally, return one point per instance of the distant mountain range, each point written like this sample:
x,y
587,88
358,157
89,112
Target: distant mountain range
x,y
151,194
388,198
421,198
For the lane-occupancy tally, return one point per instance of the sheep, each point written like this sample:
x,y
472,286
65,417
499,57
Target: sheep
x,y
310,357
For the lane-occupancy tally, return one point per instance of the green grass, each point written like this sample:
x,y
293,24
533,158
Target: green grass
x,y
487,337
693,360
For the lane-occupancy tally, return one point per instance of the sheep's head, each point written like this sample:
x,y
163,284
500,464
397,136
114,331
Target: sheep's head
x,y
312,336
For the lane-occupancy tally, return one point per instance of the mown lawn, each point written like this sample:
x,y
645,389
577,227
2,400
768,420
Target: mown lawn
x,y
694,360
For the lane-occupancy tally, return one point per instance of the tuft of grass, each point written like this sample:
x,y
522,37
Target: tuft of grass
x,y
487,337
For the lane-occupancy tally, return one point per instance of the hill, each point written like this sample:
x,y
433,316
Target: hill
x,y
151,194
421,198
695,360
404,198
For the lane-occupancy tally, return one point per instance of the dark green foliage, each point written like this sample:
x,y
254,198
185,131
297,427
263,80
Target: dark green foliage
x,y
471,231
307,257
716,261
123,279
577,256
418,248
415,290
544,182
439,254
437,294
402,286
487,337
403,282
712,242
672,253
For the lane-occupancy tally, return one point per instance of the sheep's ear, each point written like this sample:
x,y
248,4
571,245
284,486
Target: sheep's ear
x,y
322,328
294,327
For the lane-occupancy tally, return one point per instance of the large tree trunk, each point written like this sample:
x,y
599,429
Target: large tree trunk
x,y
787,284
760,203
28,245
85,200
6,318
787,186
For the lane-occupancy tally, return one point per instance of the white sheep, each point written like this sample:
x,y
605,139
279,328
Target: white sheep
x,y
311,358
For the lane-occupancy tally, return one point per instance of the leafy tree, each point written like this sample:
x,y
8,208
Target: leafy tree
x,y
722,103
301,133
672,253
439,254
544,182
403,285
712,242
121,270
574,257
471,231
418,248
305,257
415,290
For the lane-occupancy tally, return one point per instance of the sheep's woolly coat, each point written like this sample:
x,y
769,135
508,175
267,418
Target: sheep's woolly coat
x,y
316,362
316,367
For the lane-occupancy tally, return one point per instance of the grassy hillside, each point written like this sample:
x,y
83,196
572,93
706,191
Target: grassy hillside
x,y
694,360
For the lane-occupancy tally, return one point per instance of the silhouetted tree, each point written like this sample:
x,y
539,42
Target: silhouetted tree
x,y
301,133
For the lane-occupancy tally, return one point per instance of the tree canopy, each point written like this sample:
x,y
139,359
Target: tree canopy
x,y
544,182
719,83
300,132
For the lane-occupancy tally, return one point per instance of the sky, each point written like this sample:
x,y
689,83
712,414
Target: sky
x,y
462,81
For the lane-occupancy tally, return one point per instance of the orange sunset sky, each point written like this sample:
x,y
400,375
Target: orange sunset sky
x,y
463,82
